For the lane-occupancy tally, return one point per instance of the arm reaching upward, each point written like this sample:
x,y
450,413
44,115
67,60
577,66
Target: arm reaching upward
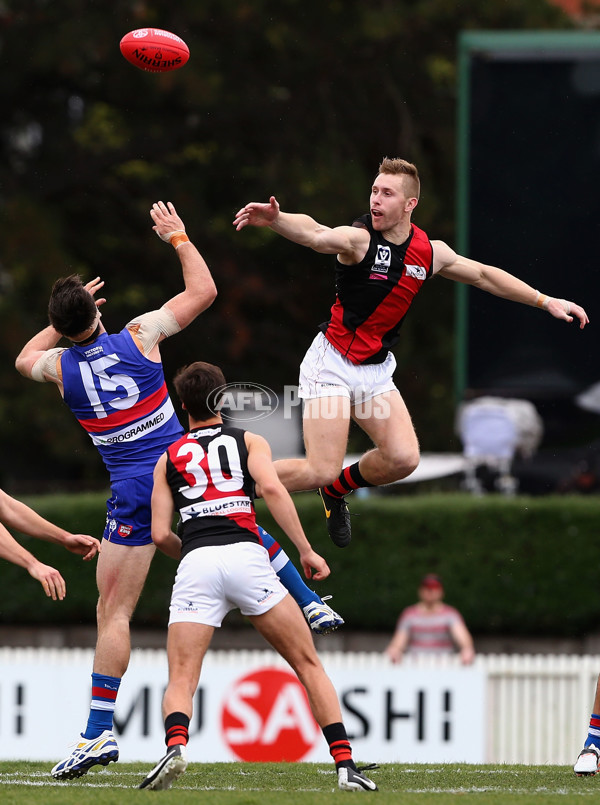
x,y
200,290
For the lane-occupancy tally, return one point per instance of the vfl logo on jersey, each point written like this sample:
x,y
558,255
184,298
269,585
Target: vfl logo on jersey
x,y
383,259
417,272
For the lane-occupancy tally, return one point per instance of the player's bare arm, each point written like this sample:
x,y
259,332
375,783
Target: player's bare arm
x,y
281,506
200,290
34,349
349,242
163,510
19,516
47,339
52,582
453,266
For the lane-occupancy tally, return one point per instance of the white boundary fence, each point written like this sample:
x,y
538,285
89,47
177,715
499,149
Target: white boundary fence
x,y
530,709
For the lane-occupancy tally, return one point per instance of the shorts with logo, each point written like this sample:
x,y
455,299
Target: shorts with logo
x,y
215,579
128,511
325,372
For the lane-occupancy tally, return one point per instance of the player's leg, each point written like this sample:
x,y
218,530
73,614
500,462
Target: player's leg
x,y
198,605
589,757
320,617
385,418
187,644
121,573
325,424
284,628
379,410
326,419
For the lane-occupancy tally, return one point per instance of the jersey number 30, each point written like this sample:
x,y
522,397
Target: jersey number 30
x,y
207,466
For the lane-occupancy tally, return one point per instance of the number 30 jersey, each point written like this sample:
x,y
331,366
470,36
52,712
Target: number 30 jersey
x,y
207,471
121,399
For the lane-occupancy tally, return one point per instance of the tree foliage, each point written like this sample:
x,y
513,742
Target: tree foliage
x,y
294,98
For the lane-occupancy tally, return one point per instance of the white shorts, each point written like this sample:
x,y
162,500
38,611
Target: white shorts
x,y
325,372
213,580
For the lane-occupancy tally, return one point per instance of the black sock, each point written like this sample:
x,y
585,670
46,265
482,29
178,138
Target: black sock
x,y
177,729
349,479
339,745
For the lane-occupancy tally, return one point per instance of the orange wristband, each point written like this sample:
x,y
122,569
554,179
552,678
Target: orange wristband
x,y
178,238
541,300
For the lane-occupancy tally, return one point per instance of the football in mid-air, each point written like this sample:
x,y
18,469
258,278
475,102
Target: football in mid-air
x,y
154,50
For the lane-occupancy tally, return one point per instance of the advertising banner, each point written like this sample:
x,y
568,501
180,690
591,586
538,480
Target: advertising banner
x,y
248,706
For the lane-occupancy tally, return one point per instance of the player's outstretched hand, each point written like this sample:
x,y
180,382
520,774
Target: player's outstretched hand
x,y
166,220
314,566
83,545
52,582
257,214
565,310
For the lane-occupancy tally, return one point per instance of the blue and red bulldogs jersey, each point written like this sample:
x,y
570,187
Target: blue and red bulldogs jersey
x,y
121,399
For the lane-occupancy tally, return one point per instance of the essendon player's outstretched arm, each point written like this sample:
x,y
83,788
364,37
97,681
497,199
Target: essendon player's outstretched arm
x,y
281,506
349,242
453,266
163,536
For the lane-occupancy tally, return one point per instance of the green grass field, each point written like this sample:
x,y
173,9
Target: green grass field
x,y
306,783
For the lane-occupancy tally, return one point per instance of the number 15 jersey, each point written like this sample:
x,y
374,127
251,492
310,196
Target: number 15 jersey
x,y
120,397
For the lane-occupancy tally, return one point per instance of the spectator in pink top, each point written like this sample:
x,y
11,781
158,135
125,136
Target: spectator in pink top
x,y
431,627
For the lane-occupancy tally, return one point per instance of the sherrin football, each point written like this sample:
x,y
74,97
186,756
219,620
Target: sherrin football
x,y
154,50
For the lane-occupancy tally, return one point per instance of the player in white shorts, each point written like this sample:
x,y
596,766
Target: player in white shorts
x,y
382,261
208,476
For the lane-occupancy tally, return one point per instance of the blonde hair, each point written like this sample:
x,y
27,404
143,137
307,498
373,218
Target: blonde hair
x,y
400,167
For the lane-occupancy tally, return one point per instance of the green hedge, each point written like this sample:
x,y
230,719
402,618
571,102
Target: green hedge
x,y
521,566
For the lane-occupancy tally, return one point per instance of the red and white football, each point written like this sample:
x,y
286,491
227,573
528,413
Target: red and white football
x,y
154,50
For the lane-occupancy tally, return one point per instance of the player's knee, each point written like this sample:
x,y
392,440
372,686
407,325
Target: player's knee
x,y
111,612
401,464
321,472
323,476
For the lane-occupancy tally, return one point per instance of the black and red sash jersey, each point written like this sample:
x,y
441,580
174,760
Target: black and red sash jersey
x,y
207,470
373,296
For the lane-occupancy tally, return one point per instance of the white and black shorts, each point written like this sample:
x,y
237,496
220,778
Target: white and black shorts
x,y
325,372
215,579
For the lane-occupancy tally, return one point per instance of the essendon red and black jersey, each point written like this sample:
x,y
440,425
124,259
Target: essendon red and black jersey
x,y
373,296
207,470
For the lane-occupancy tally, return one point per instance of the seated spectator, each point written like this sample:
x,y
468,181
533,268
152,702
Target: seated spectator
x,y
431,627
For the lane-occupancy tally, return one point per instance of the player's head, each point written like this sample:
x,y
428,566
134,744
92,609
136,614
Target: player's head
x,y
72,310
200,387
409,173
